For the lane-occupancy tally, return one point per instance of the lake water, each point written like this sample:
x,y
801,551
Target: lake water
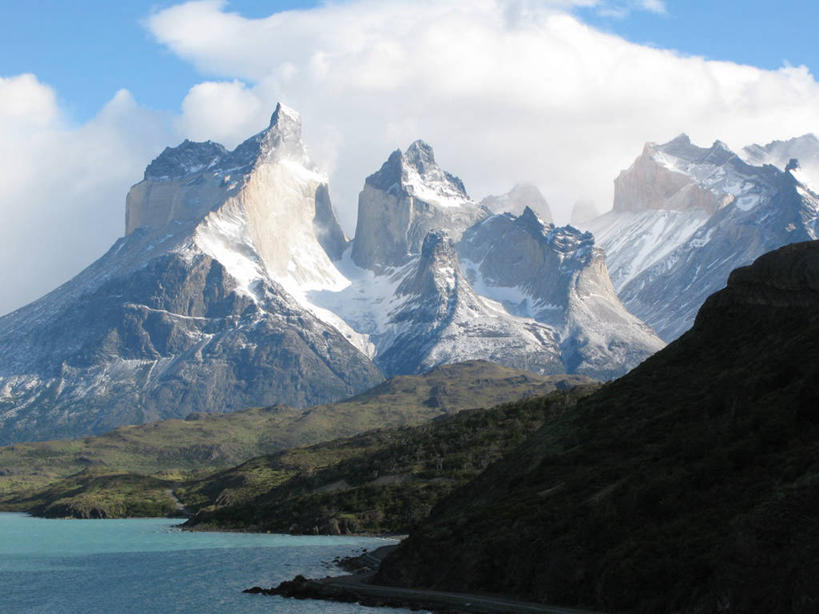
x,y
149,566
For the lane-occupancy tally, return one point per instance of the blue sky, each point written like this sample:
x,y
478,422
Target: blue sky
x,y
88,49
505,91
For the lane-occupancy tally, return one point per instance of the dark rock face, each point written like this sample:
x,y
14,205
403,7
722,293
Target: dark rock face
x,y
328,230
688,485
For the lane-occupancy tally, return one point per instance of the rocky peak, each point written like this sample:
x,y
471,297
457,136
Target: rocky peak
x,y
409,196
283,136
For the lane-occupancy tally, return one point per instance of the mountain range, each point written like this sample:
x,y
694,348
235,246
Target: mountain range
x,y
685,216
234,286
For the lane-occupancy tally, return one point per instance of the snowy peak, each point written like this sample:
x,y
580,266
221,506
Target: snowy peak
x,y
408,197
685,216
416,173
558,277
680,176
522,196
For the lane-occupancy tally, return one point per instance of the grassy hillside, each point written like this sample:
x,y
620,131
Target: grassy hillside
x,y
177,450
383,481
689,485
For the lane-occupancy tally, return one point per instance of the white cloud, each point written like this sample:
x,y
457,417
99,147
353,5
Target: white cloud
x,y
504,90
62,198
221,111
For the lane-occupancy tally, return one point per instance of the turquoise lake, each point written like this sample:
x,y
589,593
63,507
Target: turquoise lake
x,y
150,566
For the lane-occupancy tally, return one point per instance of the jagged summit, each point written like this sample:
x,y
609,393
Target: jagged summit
x,y
416,172
409,196
557,276
283,134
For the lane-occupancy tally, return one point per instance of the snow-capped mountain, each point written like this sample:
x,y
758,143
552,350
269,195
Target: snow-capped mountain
x,y
685,216
439,318
407,198
520,197
804,149
235,286
189,311
558,277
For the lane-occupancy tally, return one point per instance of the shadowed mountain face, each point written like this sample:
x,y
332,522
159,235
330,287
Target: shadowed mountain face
x,y
688,485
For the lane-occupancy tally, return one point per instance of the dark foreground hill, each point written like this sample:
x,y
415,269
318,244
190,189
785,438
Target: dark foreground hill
x,y
384,481
689,485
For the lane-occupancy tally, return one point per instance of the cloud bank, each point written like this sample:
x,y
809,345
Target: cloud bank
x,y
504,90
62,198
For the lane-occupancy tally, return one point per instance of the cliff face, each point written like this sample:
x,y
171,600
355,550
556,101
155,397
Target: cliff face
x,y
406,199
688,485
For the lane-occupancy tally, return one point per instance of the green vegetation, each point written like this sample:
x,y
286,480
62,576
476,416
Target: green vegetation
x,y
87,495
182,450
383,481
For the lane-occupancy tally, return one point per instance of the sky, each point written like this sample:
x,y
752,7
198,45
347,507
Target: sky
x,y
562,93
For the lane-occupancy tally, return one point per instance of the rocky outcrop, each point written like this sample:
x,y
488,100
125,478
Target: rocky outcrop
x,y
410,196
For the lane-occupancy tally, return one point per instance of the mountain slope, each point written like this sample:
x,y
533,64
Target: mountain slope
x,y
688,485
189,311
203,443
685,216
